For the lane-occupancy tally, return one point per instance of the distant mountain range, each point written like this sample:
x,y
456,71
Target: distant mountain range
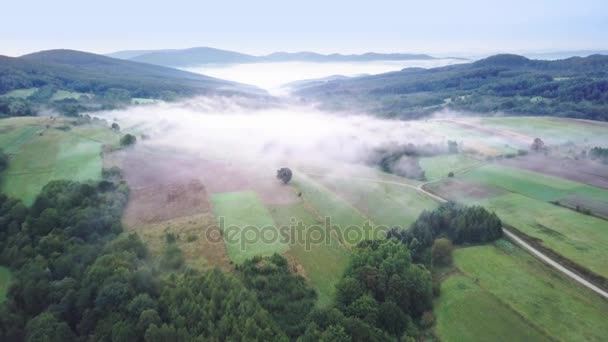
x,y
90,73
572,87
206,55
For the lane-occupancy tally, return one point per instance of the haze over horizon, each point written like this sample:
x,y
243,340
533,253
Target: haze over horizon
x,y
442,28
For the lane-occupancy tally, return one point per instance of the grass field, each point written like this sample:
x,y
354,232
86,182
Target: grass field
x,y
11,139
466,312
385,204
323,263
5,281
20,93
552,130
245,219
579,237
532,184
325,204
64,95
439,166
40,154
500,289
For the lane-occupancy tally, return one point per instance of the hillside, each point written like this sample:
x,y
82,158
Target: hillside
x,y
87,72
206,55
70,81
574,87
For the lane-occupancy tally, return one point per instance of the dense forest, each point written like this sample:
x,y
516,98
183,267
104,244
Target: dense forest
x,y
574,87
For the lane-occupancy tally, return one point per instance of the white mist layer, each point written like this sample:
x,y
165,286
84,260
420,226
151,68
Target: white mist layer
x,y
286,135
271,76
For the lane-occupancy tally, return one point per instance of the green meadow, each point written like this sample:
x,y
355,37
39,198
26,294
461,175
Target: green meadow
x,y
243,219
439,166
39,153
499,292
580,238
323,262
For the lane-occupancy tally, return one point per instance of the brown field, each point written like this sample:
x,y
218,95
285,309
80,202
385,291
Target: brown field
x,y
582,171
197,236
456,189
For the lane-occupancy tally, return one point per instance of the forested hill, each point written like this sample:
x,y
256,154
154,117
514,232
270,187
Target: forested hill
x,y
574,87
90,73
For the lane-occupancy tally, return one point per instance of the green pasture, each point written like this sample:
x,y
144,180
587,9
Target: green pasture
x,y
326,205
323,261
552,130
467,312
65,95
243,219
20,93
439,166
578,237
39,155
548,305
386,204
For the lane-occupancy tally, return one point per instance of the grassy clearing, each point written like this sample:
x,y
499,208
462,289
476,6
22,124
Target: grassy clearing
x,y
326,204
54,154
324,262
552,130
439,166
12,139
64,95
385,204
542,297
468,138
142,100
245,218
580,238
5,281
528,183
20,93
466,312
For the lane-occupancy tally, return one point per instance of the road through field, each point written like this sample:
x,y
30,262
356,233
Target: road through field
x,y
547,260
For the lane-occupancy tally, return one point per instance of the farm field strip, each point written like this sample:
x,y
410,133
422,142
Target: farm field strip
x,y
439,166
385,204
535,292
247,218
323,263
329,206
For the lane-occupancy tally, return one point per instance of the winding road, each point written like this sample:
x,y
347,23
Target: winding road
x,y
510,235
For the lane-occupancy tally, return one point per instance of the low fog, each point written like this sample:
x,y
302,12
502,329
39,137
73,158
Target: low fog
x,y
277,135
271,76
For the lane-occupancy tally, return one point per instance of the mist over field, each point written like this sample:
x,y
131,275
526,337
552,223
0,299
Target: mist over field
x,y
271,76
279,134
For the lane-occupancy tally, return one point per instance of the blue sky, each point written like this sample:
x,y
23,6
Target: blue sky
x,y
262,26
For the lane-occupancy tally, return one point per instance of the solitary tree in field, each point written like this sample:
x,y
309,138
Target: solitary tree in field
x,y
284,174
538,145
115,126
128,139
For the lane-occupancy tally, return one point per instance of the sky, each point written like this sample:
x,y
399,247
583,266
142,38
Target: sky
x,y
262,26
